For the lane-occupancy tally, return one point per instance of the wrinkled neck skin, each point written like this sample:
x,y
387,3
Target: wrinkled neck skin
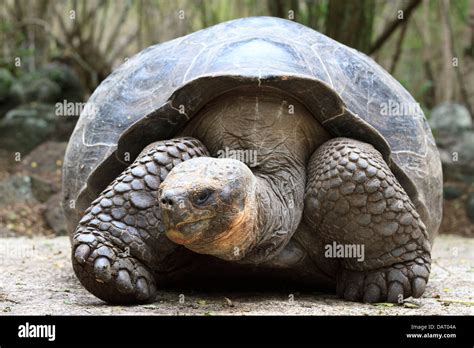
x,y
283,135
279,206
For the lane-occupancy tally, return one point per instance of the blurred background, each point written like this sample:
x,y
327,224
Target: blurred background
x,y
56,51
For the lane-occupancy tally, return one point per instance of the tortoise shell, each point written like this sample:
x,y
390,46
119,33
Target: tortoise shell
x,y
155,93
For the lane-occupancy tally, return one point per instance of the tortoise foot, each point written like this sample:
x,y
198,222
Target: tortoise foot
x,y
110,273
388,284
354,200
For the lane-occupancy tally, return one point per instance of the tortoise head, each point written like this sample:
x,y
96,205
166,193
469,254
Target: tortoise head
x,y
208,205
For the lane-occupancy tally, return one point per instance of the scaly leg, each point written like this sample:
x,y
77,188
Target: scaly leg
x,y
120,242
352,198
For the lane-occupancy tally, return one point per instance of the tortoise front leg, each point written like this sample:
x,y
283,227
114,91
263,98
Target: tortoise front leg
x,y
353,199
120,242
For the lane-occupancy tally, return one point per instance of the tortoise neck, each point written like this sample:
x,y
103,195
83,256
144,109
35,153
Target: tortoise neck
x,y
281,134
279,208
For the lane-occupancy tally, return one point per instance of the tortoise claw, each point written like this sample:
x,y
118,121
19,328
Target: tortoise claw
x,y
391,284
111,275
82,253
124,283
143,292
102,269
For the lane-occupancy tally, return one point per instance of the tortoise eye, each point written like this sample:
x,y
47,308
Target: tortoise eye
x,y
203,196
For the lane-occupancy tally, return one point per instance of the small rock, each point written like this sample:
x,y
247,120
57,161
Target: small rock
x,y
464,165
41,90
452,192
27,126
66,79
450,118
6,233
16,189
54,215
41,189
453,130
46,161
24,189
457,158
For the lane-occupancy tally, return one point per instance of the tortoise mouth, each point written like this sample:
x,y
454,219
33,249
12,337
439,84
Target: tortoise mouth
x,y
187,232
192,234
185,223
230,244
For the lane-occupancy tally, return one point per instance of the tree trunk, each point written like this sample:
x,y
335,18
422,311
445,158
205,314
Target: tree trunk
x,y
392,27
350,22
399,48
40,36
445,90
429,97
281,8
467,59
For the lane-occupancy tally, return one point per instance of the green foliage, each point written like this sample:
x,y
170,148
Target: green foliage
x,y
355,23
6,81
461,9
425,87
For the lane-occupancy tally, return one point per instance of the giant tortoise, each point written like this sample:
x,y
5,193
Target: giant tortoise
x,y
254,151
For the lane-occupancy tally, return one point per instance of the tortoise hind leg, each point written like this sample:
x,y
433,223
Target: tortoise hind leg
x,y
354,201
119,243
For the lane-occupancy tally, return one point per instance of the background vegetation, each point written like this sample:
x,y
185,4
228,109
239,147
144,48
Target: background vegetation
x,y
419,44
53,51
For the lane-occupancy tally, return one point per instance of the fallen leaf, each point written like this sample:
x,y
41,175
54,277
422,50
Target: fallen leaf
x,y
410,305
383,304
448,301
229,302
149,307
58,264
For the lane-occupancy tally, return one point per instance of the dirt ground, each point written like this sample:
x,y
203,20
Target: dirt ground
x,y
36,278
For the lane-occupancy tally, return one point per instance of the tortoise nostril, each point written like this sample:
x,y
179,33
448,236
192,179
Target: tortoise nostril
x,y
166,200
172,198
